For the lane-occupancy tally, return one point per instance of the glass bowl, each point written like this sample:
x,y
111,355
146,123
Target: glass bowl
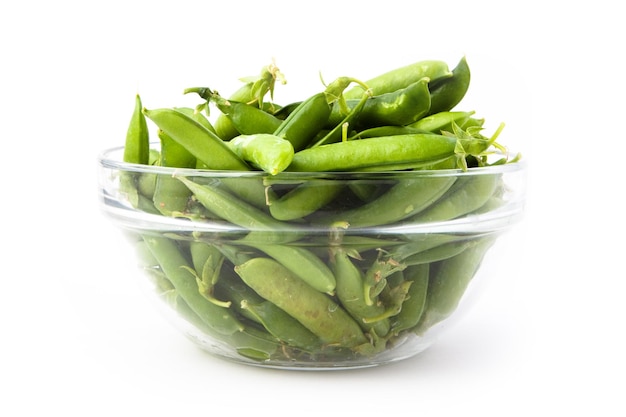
x,y
311,271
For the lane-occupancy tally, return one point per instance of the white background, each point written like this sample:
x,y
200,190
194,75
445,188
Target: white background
x,y
78,336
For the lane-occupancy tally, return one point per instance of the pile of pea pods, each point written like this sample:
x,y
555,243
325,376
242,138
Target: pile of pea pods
x,y
296,248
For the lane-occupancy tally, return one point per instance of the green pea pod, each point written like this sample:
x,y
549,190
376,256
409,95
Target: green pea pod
x,y
282,326
467,194
225,128
207,267
170,196
254,344
231,288
305,121
250,190
176,268
375,132
447,93
350,292
247,119
374,152
283,112
197,139
423,242
399,78
253,93
438,253
268,152
315,310
303,200
339,132
197,116
397,108
449,282
403,200
302,263
415,302
137,146
249,342
442,121
136,151
253,307
228,207
311,116
375,279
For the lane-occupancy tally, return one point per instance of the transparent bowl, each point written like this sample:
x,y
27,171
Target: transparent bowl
x,y
311,271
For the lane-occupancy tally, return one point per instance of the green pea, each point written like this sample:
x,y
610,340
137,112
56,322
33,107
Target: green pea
x,y
316,311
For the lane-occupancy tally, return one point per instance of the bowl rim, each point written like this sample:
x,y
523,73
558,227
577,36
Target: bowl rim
x,y
111,159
